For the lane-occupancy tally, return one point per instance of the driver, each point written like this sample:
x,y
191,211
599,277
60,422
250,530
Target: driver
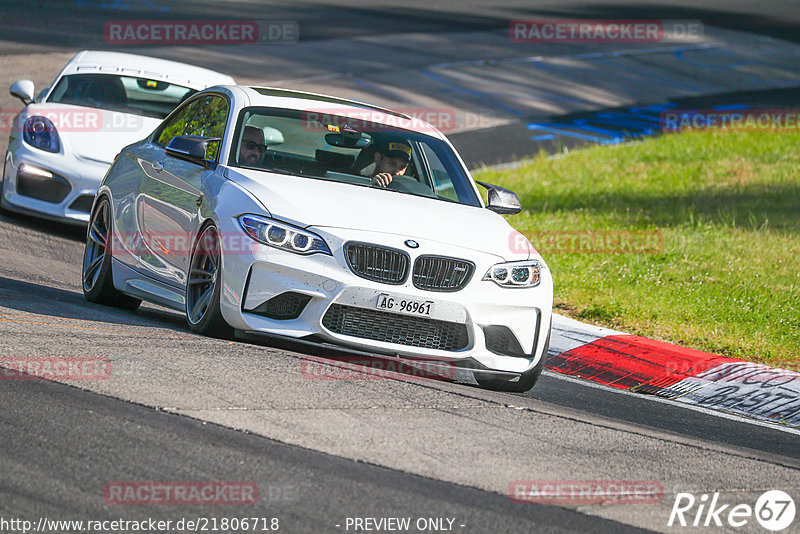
x,y
252,147
390,159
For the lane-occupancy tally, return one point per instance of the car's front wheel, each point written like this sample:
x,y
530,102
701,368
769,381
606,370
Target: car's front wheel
x,y
98,282
3,208
203,286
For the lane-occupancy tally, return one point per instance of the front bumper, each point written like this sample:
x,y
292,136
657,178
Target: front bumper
x,y
43,197
328,287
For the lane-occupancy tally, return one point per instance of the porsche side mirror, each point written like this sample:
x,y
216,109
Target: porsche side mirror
x,y
23,89
193,148
501,200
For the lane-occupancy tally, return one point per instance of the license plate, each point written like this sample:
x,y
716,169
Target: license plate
x,y
420,308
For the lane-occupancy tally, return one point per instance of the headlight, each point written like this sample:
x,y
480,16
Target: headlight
x,y
515,274
283,236
40,133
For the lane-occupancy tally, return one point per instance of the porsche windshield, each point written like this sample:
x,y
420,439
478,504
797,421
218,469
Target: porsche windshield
x,y
349,150
126,94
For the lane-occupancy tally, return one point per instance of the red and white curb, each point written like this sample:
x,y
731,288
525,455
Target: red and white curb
x,y
670,371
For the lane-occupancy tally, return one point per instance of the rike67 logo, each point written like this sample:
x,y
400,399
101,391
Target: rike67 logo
x,y
774,510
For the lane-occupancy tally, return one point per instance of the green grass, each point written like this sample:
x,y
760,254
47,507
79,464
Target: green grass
x,y
727,206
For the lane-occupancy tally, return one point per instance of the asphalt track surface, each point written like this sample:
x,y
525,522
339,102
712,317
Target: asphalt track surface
x,y
59,444
71,22
67,461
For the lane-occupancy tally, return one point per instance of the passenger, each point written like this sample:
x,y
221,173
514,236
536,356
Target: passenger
x,y
252,147
390,159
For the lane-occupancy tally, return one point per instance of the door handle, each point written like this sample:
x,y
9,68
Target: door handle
x,y
158,166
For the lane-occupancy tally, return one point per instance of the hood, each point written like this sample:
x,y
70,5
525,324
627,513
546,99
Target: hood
x,y
94,134
308,202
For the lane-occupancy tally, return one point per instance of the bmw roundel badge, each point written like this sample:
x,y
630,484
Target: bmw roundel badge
x,y
410,243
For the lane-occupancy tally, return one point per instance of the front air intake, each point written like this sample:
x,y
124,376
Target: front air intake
x,y
501,340
376,263
395,328
438,273
282,307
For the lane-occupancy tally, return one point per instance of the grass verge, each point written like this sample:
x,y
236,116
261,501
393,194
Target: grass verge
x,y
691,238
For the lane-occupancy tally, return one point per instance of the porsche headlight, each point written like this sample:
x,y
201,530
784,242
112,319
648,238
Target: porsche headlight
x,y
515,274
283,236
40,133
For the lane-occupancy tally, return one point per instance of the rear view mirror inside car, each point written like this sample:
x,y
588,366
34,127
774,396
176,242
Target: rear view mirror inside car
x,y
348,140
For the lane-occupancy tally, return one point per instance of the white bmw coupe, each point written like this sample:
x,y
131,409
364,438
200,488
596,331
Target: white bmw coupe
x,y
62,143
270,211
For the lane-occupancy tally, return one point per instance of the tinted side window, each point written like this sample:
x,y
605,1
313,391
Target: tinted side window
x,y
442,184
209,117
209,120
176,124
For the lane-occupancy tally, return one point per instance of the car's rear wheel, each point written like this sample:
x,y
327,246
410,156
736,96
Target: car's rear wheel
x,y
203,286
526,380
97,278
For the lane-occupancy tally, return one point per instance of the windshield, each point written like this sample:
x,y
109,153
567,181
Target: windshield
x,y
341,149
127,94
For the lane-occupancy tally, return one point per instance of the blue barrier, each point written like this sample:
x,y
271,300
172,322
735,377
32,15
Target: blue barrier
x,y
612,127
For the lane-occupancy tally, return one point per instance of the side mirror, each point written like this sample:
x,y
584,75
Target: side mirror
x,y
192,148
23,89
501,200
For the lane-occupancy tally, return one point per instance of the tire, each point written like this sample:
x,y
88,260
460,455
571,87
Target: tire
x,y
526,380
203,312
96,276
3,208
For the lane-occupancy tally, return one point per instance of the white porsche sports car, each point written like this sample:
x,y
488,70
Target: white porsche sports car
x,y
63,141
322,219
